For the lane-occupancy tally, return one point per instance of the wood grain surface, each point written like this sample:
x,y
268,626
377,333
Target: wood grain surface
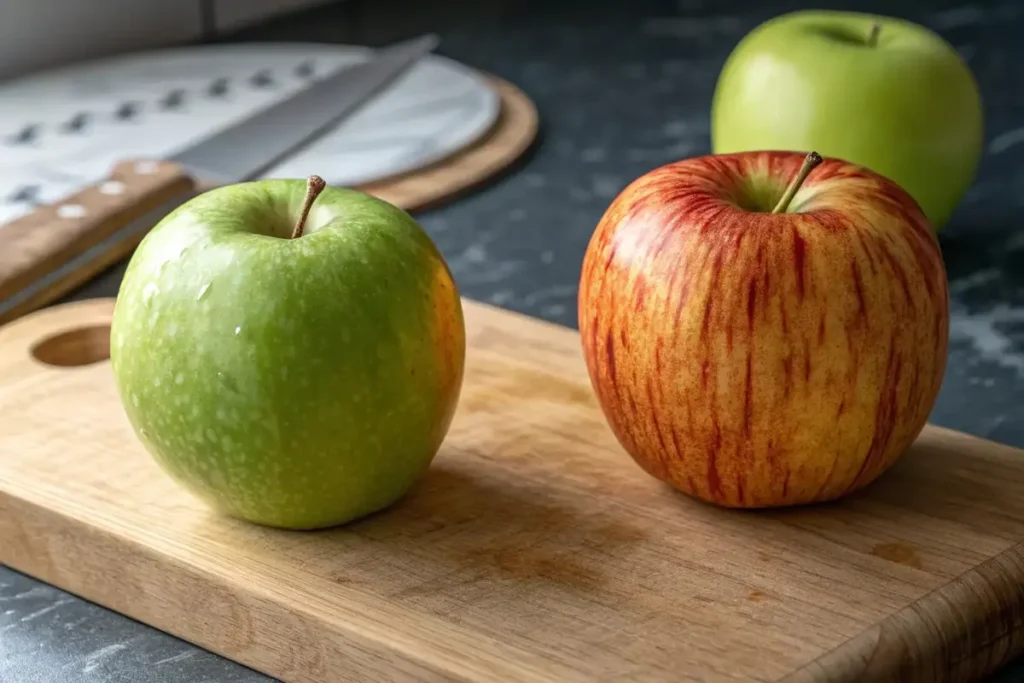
x,y
533,550
43,244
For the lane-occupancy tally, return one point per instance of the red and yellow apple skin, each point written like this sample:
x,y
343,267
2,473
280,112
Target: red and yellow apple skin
x,y
753,359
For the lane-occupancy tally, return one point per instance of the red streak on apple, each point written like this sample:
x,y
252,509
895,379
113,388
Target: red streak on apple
x,y
757,359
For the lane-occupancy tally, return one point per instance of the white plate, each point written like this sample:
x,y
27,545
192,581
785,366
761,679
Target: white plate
x,y
168,99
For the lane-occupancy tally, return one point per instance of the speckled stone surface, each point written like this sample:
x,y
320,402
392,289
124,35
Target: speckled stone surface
x,y
621,87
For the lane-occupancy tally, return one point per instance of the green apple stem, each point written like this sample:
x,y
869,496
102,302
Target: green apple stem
x,y
812,160
876,28
314,186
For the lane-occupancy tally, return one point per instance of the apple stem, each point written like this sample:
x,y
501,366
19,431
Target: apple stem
x,y
812,160
314,186
876,28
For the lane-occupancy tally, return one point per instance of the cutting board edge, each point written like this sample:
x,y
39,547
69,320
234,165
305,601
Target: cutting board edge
x,y
257,647
883,652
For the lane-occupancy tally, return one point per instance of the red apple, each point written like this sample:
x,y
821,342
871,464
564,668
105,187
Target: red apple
x,y
761,334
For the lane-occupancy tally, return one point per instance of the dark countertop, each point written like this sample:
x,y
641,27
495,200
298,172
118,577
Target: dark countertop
x,y
621,87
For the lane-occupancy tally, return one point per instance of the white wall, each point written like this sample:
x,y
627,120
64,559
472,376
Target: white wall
x,y
35,34
233,14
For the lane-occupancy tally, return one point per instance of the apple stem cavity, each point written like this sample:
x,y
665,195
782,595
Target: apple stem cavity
x,y
812,160
876,28
314,186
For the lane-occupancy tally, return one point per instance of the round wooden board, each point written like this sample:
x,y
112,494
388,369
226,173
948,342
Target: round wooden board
x,y
511,136
153,105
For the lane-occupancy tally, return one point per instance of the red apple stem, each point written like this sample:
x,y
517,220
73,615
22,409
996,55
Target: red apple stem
x,y
314,186
876,28
812,160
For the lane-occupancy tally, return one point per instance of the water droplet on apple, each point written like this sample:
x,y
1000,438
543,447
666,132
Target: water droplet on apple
x,y
238,329
148,292
202,291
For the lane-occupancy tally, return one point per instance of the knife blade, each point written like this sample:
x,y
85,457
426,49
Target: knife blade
x,y
230,156
56,247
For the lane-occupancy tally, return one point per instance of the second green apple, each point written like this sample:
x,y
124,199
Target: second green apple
x,y
877,91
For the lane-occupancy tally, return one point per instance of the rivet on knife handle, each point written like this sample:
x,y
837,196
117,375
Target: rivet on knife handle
x,y
46,253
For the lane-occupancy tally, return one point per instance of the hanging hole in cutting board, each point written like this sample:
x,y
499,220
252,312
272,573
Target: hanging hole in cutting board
x,y
74,348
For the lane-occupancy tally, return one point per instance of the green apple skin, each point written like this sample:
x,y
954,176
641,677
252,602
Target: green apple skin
x,y
907,107
296,383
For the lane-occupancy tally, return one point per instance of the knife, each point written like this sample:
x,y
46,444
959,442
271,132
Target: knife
x,y
56,247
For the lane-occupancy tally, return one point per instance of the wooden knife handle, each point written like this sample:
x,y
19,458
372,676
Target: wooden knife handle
x,y
56,247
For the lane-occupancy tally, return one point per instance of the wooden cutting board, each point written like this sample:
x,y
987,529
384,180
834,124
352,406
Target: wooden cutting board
x,y
56,267
534,550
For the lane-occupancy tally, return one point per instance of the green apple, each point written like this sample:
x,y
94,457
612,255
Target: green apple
x,y
291,355
876,91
